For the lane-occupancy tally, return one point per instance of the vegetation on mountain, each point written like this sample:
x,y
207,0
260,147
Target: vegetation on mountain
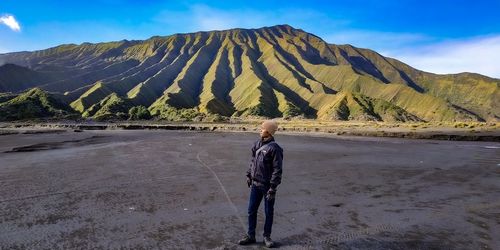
x,y
35,103
139,113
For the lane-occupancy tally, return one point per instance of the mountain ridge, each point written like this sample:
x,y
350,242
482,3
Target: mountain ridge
x,y
267,71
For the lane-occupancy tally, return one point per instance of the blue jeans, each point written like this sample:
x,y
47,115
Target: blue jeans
x,y
258,193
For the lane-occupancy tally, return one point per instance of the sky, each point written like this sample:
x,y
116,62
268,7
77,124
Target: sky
x,y
440,36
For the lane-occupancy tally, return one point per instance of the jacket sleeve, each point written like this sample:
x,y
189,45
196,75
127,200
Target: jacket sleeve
x,y
249,170
277,167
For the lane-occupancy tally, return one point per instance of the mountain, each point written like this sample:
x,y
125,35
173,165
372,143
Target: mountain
x,y
14,78
34,103
112,106
272,71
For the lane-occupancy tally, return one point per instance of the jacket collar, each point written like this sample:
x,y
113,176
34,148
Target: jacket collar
x,y
262,142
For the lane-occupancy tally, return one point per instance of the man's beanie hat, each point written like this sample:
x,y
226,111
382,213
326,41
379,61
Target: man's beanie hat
x,y
271,126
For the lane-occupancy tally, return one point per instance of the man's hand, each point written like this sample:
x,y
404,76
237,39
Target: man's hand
x,y
271,194
249,181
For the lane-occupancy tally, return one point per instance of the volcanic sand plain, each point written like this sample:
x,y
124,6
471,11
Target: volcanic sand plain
x,y
157,189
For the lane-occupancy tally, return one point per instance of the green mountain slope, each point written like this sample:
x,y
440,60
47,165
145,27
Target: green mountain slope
x,y
276,71
34,103
112,106
356,106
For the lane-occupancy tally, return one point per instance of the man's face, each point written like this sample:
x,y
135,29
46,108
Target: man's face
x,y
263,132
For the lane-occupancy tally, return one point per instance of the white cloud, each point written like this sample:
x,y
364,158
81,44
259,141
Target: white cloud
x,y
478,55
210,19
11,22
376,40
201,17
205,18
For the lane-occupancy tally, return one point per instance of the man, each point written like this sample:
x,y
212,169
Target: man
x,y
263,177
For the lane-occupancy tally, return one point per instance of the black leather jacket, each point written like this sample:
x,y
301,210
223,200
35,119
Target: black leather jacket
x,y
267,166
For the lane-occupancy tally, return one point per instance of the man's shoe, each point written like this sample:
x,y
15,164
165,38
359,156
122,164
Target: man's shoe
x,y
268,242
246,240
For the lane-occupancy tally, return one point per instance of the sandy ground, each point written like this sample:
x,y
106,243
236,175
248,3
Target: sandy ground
x,y
186,190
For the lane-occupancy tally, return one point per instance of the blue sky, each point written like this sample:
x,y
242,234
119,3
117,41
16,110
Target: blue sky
x,y
438,36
